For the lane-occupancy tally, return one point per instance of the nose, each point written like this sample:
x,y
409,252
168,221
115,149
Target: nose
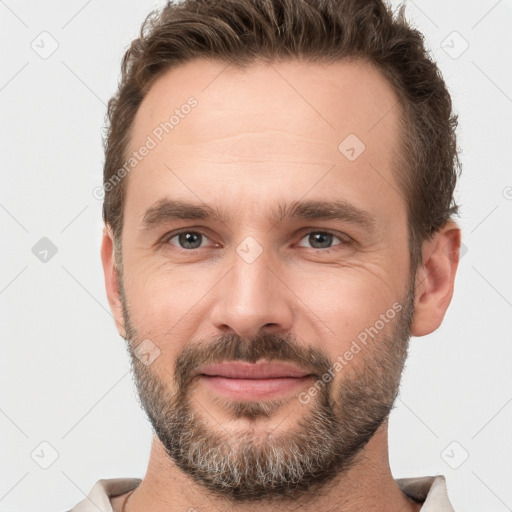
x,y
252,298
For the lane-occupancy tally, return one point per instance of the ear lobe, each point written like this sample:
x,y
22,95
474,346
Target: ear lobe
x,y
110,272
435,279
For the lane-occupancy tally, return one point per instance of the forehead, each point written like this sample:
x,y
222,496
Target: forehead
x,y
265,128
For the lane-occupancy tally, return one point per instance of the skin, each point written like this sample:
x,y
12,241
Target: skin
x,y
268,134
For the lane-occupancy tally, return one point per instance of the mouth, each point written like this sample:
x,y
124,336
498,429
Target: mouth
x,y
253,381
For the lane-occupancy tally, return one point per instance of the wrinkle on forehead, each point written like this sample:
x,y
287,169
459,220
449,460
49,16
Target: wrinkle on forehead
x,y
296,100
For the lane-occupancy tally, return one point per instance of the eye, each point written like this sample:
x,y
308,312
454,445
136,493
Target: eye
x,y
323,240
187,240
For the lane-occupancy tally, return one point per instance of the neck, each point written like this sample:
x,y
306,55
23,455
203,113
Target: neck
x,y
368,485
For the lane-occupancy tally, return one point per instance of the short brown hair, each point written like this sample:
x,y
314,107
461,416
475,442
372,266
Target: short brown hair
x,y
239,32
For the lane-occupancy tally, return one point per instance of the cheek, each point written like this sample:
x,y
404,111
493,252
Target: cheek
x,y
347,302
164,304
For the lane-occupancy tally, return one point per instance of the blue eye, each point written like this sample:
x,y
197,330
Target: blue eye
x,y
322,238
188,240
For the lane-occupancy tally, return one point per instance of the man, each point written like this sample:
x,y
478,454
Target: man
x,y
279,182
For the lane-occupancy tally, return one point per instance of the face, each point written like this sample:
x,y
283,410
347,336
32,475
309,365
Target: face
x,y
266,228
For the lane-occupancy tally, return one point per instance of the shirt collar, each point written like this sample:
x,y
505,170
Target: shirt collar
x,y
429,490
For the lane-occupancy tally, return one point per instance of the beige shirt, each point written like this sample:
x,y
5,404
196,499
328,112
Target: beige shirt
x,y
429,490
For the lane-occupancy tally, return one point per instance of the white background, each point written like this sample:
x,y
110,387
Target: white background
x,y
64,371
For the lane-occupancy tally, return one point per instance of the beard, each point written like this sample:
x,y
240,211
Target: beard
x,y
331,431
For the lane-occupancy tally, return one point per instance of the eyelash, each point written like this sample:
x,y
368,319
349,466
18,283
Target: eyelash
x,y
344,242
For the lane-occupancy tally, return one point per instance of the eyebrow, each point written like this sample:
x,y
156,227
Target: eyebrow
x,y
166,210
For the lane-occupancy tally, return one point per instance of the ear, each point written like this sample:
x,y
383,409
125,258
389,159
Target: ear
x,y
435,279
111,274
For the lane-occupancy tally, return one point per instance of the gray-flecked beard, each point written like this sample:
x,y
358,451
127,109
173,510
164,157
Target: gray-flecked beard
x,y
330,431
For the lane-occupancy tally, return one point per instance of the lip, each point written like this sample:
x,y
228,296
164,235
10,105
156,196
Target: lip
x,y
253,381
260,370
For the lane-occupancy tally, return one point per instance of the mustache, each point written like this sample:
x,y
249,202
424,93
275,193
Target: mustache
x,y
227,348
